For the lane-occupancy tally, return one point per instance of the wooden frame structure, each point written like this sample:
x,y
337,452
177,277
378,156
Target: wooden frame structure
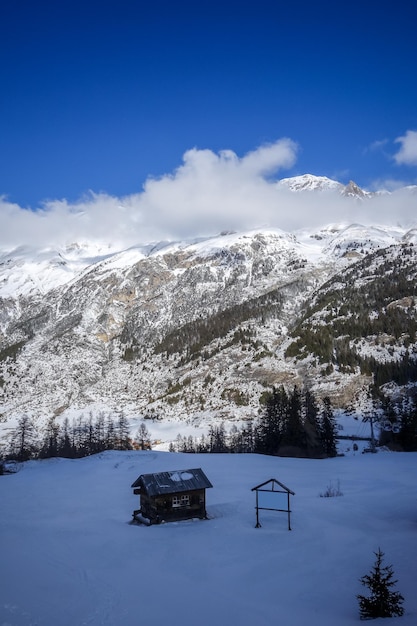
x,y
266,497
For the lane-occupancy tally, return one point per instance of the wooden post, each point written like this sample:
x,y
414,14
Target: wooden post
x,y
257,512
289,512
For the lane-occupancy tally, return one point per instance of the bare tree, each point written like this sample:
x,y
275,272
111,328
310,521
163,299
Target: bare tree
x,y
142,439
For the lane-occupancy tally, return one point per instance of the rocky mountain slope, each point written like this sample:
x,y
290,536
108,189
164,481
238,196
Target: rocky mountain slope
x,y
200,330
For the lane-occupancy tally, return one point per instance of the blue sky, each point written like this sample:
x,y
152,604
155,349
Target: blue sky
x,y
103,95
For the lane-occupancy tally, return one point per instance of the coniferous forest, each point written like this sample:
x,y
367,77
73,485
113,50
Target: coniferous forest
x,y
291,423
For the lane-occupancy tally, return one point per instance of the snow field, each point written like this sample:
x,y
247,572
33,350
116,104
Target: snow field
x,y
69,556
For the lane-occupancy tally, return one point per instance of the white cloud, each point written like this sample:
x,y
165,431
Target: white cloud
x,y
376,146
388,184
267,159
407,154
210,192
207,193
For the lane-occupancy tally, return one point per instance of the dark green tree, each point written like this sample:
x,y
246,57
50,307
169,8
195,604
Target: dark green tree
x,y
293,434
123,441
408,432
312,425
247,438
217,439
290,424
111,435
328,429
202,445
382,601
273,422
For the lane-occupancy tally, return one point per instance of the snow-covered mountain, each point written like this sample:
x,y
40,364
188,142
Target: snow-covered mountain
x,y
309,182
195,330
323,184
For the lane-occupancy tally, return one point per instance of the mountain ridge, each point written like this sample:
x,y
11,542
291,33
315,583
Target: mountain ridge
x,y
195,331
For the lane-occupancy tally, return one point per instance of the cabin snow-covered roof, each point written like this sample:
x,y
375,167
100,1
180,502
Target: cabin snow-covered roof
x,y
172,482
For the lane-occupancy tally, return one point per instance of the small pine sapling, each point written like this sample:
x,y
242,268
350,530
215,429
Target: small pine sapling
x,y
382,602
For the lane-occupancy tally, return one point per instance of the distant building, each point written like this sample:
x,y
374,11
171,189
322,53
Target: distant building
x,y
171,496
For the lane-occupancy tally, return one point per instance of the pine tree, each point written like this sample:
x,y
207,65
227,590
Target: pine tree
x,y
273,422
217,438
382,602
248,438
408,432
111,437
328,428
190,444
123,434
292,429
202,445
312,425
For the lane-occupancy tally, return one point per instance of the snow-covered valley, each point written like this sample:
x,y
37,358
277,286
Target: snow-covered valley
x,y
70,557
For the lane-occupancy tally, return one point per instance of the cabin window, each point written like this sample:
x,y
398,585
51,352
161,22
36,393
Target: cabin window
x,y
183,500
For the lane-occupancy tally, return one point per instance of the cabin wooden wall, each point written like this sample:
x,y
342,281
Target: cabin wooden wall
x,y
161,506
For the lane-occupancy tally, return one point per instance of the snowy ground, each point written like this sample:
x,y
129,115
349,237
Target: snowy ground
x,y
69,556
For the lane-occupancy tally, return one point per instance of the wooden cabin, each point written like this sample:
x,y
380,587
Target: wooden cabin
x,y
171,496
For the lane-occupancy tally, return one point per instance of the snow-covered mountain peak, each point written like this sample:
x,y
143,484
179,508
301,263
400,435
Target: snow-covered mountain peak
x,y
353,190
309,182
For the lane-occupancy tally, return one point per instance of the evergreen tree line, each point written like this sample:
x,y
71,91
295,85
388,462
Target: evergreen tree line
x,y
194,336
79,438
331,343
383,280
401,371
291,424
238,440
399,425
346,312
